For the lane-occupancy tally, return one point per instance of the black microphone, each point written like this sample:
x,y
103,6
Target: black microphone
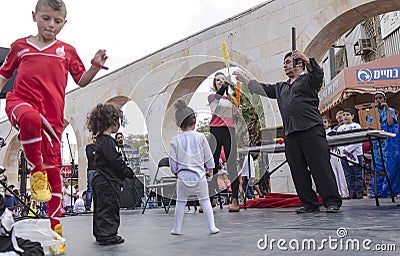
x,y
294,45
226,83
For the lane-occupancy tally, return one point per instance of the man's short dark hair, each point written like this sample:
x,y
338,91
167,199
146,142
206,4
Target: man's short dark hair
x,y
288,55
303,65
118,133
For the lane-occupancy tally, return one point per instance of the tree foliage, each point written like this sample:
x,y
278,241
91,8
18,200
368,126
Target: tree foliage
x,y
139,141
252,112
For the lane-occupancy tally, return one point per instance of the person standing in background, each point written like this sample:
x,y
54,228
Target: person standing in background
x,y
353,152
69,193
335,161
91,169
390,148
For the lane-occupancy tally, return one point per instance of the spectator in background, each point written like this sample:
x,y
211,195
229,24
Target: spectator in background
x,y
223,178
119,139
11,201
69,193
352,152
79,206
336,161
246,177
91,169
339,119
25,209
77,192
390,147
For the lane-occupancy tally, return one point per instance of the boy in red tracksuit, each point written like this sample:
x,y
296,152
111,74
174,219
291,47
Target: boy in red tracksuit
x,y
36,104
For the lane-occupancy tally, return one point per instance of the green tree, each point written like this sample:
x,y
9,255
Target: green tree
x,y
204,125
140,142
252,116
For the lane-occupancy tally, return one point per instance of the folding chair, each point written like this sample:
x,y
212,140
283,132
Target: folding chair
x,y
163,182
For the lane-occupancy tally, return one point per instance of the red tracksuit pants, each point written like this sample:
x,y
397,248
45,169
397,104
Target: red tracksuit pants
x,y
41,148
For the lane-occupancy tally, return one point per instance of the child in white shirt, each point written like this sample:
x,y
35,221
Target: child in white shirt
x,y
353,152
190,158
247,184
336,162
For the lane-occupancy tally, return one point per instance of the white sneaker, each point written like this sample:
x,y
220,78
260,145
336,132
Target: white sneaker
x,y
175,233
214,230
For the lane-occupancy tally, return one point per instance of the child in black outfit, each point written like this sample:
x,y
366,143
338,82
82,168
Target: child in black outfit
x,y
111,170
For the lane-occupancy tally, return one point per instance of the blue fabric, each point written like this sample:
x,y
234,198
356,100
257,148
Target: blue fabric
x,y
250,189
11,202
89,191
391,155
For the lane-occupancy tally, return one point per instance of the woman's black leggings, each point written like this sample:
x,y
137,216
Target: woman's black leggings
x,y
225,137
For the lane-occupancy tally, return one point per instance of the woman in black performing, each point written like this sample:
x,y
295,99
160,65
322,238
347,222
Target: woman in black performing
x,y
225,111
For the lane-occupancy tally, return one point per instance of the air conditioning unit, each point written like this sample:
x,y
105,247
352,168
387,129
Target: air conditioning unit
x,y
364,46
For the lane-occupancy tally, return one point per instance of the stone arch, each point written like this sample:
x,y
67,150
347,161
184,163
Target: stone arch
x,y
332,22
118,100
10,161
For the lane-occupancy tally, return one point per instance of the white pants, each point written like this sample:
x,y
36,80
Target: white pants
x,y
189,187
339,175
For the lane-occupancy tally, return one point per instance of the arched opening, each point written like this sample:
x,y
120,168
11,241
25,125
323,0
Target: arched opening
x,y
135,138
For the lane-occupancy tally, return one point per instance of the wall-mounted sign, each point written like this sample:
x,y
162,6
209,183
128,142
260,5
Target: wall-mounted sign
x,y
389,23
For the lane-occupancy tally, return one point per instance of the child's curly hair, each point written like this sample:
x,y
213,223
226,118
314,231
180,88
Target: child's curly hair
x,y
103,116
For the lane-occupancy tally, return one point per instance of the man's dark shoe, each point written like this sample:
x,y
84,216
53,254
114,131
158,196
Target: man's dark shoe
x,y
353,195
306,210
114,240
332,209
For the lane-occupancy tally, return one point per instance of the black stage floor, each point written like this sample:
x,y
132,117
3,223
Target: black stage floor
x,y
376,231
